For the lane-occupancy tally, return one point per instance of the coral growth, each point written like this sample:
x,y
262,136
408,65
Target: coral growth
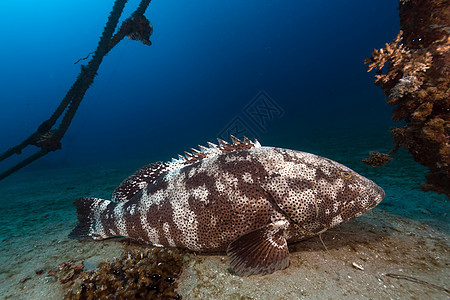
x,y
148,274
414,73
137,28
406,68
67,271
377,159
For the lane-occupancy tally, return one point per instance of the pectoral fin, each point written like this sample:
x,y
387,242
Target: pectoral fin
x,y
260,251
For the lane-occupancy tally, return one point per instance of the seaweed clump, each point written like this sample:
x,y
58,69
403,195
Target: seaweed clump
x,y
148,274
413,71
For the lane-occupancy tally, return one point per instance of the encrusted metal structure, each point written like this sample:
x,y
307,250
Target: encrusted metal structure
x,y
48,136
414,73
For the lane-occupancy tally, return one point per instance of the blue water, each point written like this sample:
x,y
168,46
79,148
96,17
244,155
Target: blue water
x,y
207,62
289,73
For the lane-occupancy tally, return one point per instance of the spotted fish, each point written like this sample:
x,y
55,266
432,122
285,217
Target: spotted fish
x,y
240,197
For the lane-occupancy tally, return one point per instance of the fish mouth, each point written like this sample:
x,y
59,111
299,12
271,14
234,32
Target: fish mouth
x,y
377,194
373,192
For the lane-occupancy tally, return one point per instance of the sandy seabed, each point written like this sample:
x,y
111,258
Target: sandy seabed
x,y
408,236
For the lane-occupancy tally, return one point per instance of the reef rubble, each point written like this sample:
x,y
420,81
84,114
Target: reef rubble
x,y
136,274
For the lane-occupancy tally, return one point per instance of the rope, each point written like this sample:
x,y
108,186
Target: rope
x,y
136,27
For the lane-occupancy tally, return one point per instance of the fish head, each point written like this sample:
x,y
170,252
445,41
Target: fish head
x,y
317,193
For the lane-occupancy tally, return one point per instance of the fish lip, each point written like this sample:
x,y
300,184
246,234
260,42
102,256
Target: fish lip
x,y
382,194
375,191
379,195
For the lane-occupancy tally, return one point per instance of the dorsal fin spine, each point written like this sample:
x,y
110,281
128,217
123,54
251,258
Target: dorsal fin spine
x,y
213,150
235,140
256,144
222,142
203,149
212,145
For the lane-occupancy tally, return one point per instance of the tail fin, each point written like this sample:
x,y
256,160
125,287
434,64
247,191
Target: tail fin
x,y
90,222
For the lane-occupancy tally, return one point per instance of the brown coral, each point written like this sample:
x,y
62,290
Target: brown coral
x,y
148,274
406,68
416,80
69,270
377,159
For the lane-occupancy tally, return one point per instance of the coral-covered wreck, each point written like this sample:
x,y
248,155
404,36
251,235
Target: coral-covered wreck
x,y
414,73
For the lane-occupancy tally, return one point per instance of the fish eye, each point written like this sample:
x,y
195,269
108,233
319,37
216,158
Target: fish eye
x,y
346,174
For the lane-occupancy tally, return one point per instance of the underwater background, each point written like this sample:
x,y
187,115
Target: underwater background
x,y
289,73
208,61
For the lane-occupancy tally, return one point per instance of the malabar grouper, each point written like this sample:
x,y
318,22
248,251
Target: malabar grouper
x,y
240,197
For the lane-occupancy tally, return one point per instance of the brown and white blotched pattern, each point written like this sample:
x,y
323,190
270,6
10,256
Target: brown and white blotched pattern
x,y
241,197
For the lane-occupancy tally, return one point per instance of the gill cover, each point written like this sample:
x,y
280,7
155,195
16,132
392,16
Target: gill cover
x,y
295,197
